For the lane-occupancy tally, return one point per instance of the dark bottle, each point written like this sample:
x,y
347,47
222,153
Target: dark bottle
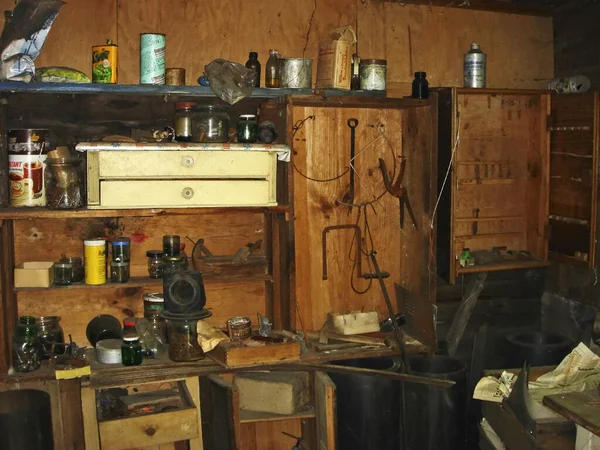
x,y
254,65
131,350
420,86
272,70
355,80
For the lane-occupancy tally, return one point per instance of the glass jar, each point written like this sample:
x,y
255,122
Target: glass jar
x,y
119,272
211,124
182,121
26,349
247,128
131,350
152,330
154,263
420,86
372,74
77,271
63,179
63,274
173,264
51,335
121,249
154,303
183,340
272,69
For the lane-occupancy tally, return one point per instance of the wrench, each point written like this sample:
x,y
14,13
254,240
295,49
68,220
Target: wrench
x,y
349,197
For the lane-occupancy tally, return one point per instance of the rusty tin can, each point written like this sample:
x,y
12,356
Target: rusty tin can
x,y
175,76
104,63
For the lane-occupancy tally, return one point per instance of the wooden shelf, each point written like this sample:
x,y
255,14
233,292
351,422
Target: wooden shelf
x,y
504,265
255,416
44,213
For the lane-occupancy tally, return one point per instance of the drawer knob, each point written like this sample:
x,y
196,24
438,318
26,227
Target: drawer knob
x,y
187,161
187,193
150,431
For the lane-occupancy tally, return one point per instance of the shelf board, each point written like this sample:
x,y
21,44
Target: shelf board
x,y
44,213
498,266
256,416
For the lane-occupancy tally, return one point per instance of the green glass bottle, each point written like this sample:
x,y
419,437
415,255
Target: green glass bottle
x,y
26,347
131,350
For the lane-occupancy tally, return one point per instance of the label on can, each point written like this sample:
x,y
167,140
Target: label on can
x,y
26,174
152,58
95,261
474,72
104,64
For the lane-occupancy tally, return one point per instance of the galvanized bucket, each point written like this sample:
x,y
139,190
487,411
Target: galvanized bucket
x,y
296,73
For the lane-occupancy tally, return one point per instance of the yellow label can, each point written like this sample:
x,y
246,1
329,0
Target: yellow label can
x,y
95,261
104,63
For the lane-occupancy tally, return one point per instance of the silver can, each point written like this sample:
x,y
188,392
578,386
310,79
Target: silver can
x,y
296,73
152,58
372,74
474,68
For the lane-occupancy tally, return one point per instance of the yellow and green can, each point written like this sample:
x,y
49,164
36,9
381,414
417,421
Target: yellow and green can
x,y
104,63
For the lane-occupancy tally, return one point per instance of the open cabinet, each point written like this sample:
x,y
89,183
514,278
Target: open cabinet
x,y
522,186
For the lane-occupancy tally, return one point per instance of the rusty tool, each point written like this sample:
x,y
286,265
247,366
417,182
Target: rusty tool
x,y
336,347
399,191
349,197
356,339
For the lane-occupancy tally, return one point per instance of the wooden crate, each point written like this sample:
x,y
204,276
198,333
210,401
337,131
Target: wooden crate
x,y
231,354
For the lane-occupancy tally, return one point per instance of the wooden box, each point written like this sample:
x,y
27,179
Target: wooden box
x,y
523,179
180,178
230,354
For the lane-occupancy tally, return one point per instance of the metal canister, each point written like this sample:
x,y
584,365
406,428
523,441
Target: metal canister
x,y
95,261
104,63
152,58
296,73
474,67
175,76
372,74
570,85
26,155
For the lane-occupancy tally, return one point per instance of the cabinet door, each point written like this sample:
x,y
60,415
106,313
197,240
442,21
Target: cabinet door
x,y
573,128
220,414
325,404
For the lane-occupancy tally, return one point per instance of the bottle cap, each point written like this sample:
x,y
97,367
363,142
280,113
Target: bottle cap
x,y
154,253
253,55
474,45
247,116
131,338
420,74
272,50
129,321
184,105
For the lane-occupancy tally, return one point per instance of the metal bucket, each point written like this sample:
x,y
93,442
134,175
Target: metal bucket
x,y
296,73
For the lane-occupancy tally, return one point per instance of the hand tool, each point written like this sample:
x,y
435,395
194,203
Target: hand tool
x,y
300,443
349,197
398,191
357,339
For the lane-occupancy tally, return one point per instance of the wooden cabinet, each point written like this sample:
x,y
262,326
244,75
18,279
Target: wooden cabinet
x,y
522,178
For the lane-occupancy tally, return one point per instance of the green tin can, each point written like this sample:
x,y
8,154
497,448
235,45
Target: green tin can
x,y
152,58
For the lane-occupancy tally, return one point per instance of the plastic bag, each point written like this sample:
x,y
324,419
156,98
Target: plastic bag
x,y
230,81
60,75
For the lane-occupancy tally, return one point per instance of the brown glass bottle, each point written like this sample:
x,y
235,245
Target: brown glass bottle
x,y
272,70
254,65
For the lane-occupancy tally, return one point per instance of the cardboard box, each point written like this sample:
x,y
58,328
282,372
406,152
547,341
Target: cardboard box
x,y
34,274
335,59
275,393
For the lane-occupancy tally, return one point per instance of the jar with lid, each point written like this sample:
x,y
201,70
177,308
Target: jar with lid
x,y
173,264
210,124
154,263
63,274
372,74
119,272
129,326
254,65
121,249
420,86
64,182
247,128
26,349
131,350
183,340
154,303
182,121
273,69
77,271
51,335
152,330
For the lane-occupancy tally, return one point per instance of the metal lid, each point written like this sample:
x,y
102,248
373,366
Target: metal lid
x,y
95,242
248,116
121,241
173,258
420,74
154,297
185,105
119,263
72,259
131,338
154,253
377,62
253,55
63,265
273,50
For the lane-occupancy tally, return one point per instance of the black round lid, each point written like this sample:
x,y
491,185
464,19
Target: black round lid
x,y
154,253
420,74
253,55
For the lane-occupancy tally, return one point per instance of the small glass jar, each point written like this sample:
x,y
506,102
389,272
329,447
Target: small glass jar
x,y
51,335
171,245
183,340
78,274
420,86
131,350
63,274
119,272
121,249
152,330
154,303
211,124
247,128
154,263
26,349
173,264
63,180
182,121
372,74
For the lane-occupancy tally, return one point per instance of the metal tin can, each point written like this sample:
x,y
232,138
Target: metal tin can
x,y
104,63
95,261
474,68
570,85
296,73
152,58
26,156
175,77
372,74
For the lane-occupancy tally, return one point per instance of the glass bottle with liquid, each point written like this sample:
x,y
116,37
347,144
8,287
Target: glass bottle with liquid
x,y
272,70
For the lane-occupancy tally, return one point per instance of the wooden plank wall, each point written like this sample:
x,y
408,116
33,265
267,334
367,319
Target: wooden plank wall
x,y
519,48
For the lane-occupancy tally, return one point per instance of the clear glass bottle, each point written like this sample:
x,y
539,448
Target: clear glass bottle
x,y
26,349
131,350
272,70
182,121
63,274
154,263
420,86
254,65
183,340
51,335
247,129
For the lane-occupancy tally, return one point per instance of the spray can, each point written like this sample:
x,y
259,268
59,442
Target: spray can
x,y
104,63
474,68
152,58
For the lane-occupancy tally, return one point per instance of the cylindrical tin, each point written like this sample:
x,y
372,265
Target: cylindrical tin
x,y
26,156
104,63
571,85
152,58
474,67
95,261
108,351
239,328
296,73
175,77
372,74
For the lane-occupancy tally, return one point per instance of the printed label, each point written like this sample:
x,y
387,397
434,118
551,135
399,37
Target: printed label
x,y
26,175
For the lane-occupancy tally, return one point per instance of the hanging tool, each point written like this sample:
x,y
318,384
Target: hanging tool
x,y
398,191
349,197
299,441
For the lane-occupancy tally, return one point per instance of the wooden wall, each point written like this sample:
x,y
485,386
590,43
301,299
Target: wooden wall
x,y
519,48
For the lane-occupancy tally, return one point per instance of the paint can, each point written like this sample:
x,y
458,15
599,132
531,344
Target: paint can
x,y
26,156
296,73
175,77
104,63
95,261
474,68
576,84
152,58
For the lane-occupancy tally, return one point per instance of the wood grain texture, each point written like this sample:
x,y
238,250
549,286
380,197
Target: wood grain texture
x,y
90,420
325,400
580,407
8,306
